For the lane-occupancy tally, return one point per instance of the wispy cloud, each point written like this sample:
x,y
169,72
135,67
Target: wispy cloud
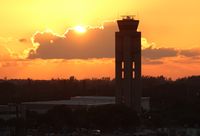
x,y
23,40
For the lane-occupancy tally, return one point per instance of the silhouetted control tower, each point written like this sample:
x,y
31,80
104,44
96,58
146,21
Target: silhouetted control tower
x,y
128,63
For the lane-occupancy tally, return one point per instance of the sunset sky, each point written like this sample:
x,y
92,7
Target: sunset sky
x,y
40,39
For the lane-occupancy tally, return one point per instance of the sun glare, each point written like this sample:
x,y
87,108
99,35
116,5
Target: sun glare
x,y
80,29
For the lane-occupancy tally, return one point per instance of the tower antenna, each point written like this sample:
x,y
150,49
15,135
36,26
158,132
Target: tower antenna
x,y
128,17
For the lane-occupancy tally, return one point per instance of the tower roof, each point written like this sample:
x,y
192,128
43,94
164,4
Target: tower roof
x,y
128,23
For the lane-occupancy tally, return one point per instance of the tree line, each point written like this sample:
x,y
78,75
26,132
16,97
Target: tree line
x,y
173,102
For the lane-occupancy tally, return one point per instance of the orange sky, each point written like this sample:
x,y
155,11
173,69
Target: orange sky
x,y
170,31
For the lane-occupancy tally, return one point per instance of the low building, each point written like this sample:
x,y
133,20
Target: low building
x,y
9,111
74,102
77,102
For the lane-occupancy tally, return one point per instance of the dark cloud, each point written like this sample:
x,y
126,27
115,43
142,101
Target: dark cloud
x,y
159,53
195,52
146,61
95,43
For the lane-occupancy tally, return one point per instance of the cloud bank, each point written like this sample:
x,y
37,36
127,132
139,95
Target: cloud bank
x,y
98,42
95,43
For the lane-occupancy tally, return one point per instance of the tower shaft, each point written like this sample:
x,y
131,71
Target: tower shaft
x,y
128,63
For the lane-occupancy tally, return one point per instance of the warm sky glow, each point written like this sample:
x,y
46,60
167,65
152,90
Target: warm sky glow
x,y
170,31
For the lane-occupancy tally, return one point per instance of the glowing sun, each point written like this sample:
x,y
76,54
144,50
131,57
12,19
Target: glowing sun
x,y
80,29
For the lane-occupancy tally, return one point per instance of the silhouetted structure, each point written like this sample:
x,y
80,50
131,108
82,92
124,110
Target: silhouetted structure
x,y
128,63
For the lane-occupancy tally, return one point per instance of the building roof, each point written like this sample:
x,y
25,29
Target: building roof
x,y
78,100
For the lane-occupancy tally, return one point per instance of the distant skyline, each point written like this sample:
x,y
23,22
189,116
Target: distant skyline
x,y
40,40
